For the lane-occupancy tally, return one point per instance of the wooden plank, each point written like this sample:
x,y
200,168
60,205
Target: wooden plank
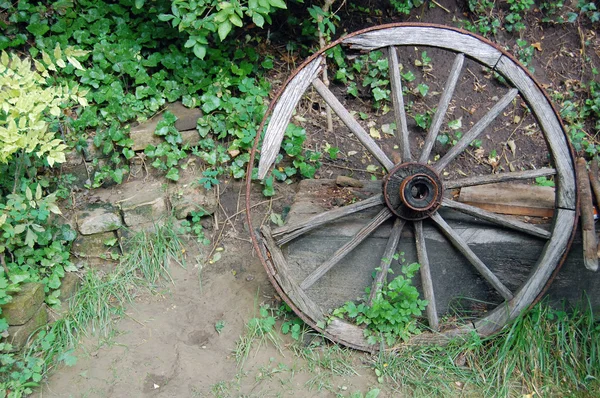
x,y
348,332
497,219
398,101
590,245
555,248
442,107
386,260
287,283
343,251
289,232
476,130
283,112
550,124
594,182
459,243
501,177
352,124
511,198
426,36
426,280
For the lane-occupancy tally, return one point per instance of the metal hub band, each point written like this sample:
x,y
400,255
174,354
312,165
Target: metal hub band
x,y
413,191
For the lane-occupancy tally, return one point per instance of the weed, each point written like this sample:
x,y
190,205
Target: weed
x,y
392,314
219,326
259,331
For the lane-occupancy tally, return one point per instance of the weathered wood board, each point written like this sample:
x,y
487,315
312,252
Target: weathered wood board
x,y
510,255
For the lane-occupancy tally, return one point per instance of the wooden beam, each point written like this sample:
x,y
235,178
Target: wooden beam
x,y
496,178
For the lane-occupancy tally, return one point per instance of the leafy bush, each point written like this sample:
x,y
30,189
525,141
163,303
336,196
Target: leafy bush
x,y
25,102
392,315
201,18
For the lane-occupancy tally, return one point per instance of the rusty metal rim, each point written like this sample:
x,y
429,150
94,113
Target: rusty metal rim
x,y
250,167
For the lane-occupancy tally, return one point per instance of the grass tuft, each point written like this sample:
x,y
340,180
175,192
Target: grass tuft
x,y
544,352
103,296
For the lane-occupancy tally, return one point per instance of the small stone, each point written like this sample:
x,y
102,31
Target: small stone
x,y
145,209
91,152
98,219
344,181
24,304
19,335
69,285
192,197
187,119
96,245
250,278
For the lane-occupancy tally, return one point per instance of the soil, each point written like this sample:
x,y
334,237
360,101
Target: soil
x,y
167,345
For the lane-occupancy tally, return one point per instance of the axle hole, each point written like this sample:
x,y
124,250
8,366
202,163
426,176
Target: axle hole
x,y
419,191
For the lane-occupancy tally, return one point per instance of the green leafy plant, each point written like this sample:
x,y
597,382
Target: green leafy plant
x,y
392,314
195,227
169,152
406,6
201,18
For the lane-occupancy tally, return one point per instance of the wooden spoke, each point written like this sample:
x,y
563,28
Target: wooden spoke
x,y
426,280
386,260
282,114
398,101
459,243
289,232
497,218
360,236
472,134
352,124
438,118
495,178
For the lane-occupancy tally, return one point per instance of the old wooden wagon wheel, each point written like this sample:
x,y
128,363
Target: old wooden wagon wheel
x,y
414,197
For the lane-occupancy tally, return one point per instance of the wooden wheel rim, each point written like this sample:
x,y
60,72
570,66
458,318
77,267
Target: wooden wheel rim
x,y
497,59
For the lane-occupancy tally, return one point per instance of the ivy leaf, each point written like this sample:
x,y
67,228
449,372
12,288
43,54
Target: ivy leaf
x,y
210,102
139,3
173,174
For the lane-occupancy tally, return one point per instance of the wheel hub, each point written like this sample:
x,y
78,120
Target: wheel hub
x,y
413,191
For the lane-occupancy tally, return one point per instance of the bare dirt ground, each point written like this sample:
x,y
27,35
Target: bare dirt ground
x,y
167,345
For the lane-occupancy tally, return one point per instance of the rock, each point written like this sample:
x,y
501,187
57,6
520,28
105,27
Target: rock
x,y
192,197
91,151
187,118
19,335
88,246
148,206
73,158
24,304
344,181
69,285
98,219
